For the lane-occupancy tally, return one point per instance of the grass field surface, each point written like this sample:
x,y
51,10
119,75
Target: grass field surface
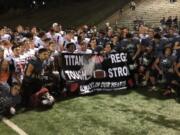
x,y
115,113
4,130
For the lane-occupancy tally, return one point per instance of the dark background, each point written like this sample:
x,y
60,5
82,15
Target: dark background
x,y
6,5
69,13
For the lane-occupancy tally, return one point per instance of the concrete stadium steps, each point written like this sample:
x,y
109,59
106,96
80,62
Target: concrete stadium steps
x,y
150,10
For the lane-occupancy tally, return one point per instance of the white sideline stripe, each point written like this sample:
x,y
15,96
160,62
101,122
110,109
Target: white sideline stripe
x,y
13,126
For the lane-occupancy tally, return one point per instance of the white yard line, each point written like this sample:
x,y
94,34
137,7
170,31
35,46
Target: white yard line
x,y
13,126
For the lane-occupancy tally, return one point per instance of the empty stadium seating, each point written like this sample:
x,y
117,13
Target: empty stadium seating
x,y
150,10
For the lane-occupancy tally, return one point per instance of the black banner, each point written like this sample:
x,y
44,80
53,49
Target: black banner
x,y
94,72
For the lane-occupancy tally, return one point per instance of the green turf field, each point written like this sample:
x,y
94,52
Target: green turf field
x,y
115,113
4,130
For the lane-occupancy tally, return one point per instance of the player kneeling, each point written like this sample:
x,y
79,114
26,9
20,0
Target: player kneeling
x,y
9,99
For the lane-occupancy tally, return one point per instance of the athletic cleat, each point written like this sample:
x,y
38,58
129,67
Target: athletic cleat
x,y
144,83
153,88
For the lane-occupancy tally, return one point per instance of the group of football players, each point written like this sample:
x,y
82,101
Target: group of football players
x,y
30,57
